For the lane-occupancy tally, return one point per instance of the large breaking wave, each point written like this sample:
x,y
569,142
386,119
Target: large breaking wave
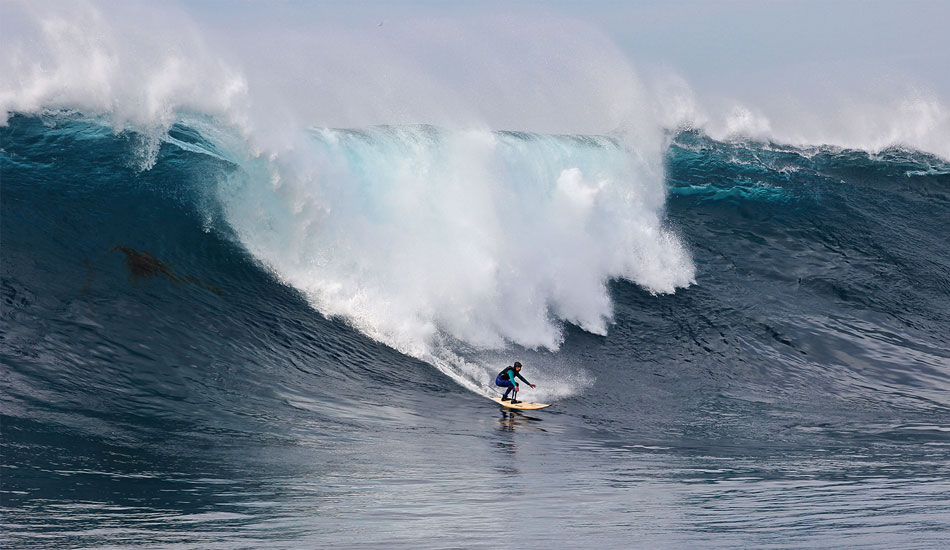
x,y
418,234
448,240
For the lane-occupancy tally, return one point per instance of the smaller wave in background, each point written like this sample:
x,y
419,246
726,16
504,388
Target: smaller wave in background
x,y
834,257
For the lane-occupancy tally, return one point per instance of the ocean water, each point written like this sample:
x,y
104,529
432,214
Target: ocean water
x,y
258,301
165,387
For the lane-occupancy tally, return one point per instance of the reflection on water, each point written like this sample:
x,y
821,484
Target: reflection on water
x,y
512,419
513,422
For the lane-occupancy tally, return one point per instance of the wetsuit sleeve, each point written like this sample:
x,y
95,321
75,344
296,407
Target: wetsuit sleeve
x,y
523,379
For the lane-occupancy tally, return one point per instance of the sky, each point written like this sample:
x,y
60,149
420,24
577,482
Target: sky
x,y
718,46
725,47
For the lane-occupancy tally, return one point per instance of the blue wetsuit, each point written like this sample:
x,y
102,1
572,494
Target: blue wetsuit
x,y
506,379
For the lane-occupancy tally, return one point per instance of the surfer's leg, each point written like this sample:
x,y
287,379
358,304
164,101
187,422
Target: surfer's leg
x,y
505,384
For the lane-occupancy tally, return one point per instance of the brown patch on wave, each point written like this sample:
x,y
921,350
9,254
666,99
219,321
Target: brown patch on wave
x,y
142,265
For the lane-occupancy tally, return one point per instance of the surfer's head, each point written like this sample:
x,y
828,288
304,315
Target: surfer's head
x,y
518,365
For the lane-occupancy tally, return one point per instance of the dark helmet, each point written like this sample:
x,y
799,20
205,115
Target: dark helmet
x,y
517,364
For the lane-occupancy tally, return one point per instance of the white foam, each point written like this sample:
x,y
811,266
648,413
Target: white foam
x,y
489,238
73,55
909,117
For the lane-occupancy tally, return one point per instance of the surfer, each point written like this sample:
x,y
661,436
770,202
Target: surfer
x,y
506,379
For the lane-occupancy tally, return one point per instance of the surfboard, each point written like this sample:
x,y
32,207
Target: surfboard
x,y
524,405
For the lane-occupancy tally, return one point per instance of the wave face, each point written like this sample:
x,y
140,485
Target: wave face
x,y
220,311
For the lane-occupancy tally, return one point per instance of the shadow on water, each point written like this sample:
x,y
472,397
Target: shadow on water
x,y
142,265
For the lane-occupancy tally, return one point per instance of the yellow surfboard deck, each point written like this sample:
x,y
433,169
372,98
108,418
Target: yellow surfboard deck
x,y
524,405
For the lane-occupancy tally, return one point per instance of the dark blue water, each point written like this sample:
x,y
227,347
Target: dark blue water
x,y
162,388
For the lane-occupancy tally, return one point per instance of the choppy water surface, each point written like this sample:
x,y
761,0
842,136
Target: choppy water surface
x,y
163,386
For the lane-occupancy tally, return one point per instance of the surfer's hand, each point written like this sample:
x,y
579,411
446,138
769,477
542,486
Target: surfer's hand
x,y
532,385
